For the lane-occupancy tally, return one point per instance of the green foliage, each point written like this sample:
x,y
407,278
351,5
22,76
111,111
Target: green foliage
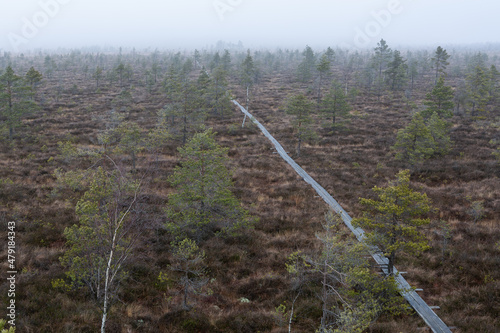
x,y
355,320
158,136
392,222
306,67
220,98
476,209
33,77
439,100
5,181
100,246
324,65
189,100
323,68
379,62
123,101
68,151
3,329
494,86
248,76
109,137
396,71
419,140
440,62
281,314
216,61
248,71
478,88
300,108
203,203
76,180
97,75
352,296
120,70
330,54
188,260
335,105
414,143
439,130
16,100
497,154
130,141
444,230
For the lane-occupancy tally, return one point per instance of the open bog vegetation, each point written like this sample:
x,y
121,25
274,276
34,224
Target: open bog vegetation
x,y
143,203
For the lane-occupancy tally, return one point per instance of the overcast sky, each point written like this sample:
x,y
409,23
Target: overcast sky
x,y
180,24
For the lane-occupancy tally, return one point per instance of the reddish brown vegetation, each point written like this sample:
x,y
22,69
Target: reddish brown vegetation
x,y
348,163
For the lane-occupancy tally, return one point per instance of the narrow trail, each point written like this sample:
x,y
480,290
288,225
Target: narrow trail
x,y
427,314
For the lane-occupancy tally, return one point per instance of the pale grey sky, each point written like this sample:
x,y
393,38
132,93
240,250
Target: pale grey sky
x,y
174,24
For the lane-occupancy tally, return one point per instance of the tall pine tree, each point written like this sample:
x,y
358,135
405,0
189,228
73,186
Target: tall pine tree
x,y
16,100
300,107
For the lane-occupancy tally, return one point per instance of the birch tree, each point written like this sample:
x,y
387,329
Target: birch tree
x,y
248,74
102,243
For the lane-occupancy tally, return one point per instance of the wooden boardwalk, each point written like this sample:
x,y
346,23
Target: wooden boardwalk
x,y
427,314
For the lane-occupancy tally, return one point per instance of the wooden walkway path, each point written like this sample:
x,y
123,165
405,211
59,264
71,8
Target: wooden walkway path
x,y
429,316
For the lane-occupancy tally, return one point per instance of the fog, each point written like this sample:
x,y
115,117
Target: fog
x,y
180,24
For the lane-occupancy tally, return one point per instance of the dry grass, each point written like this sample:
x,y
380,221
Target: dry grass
x,y
348,163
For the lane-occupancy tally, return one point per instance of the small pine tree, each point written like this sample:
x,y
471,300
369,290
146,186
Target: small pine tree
x,y
397,71
226,61
479,93
439,129
323,68
300,107
335,105
439,100
203,204
414,143
97,76
306,66
494,86
392,222
220,97
188,261
33,77
131,141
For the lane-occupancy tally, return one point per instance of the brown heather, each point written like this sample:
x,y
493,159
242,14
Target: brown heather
x,y
251,266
